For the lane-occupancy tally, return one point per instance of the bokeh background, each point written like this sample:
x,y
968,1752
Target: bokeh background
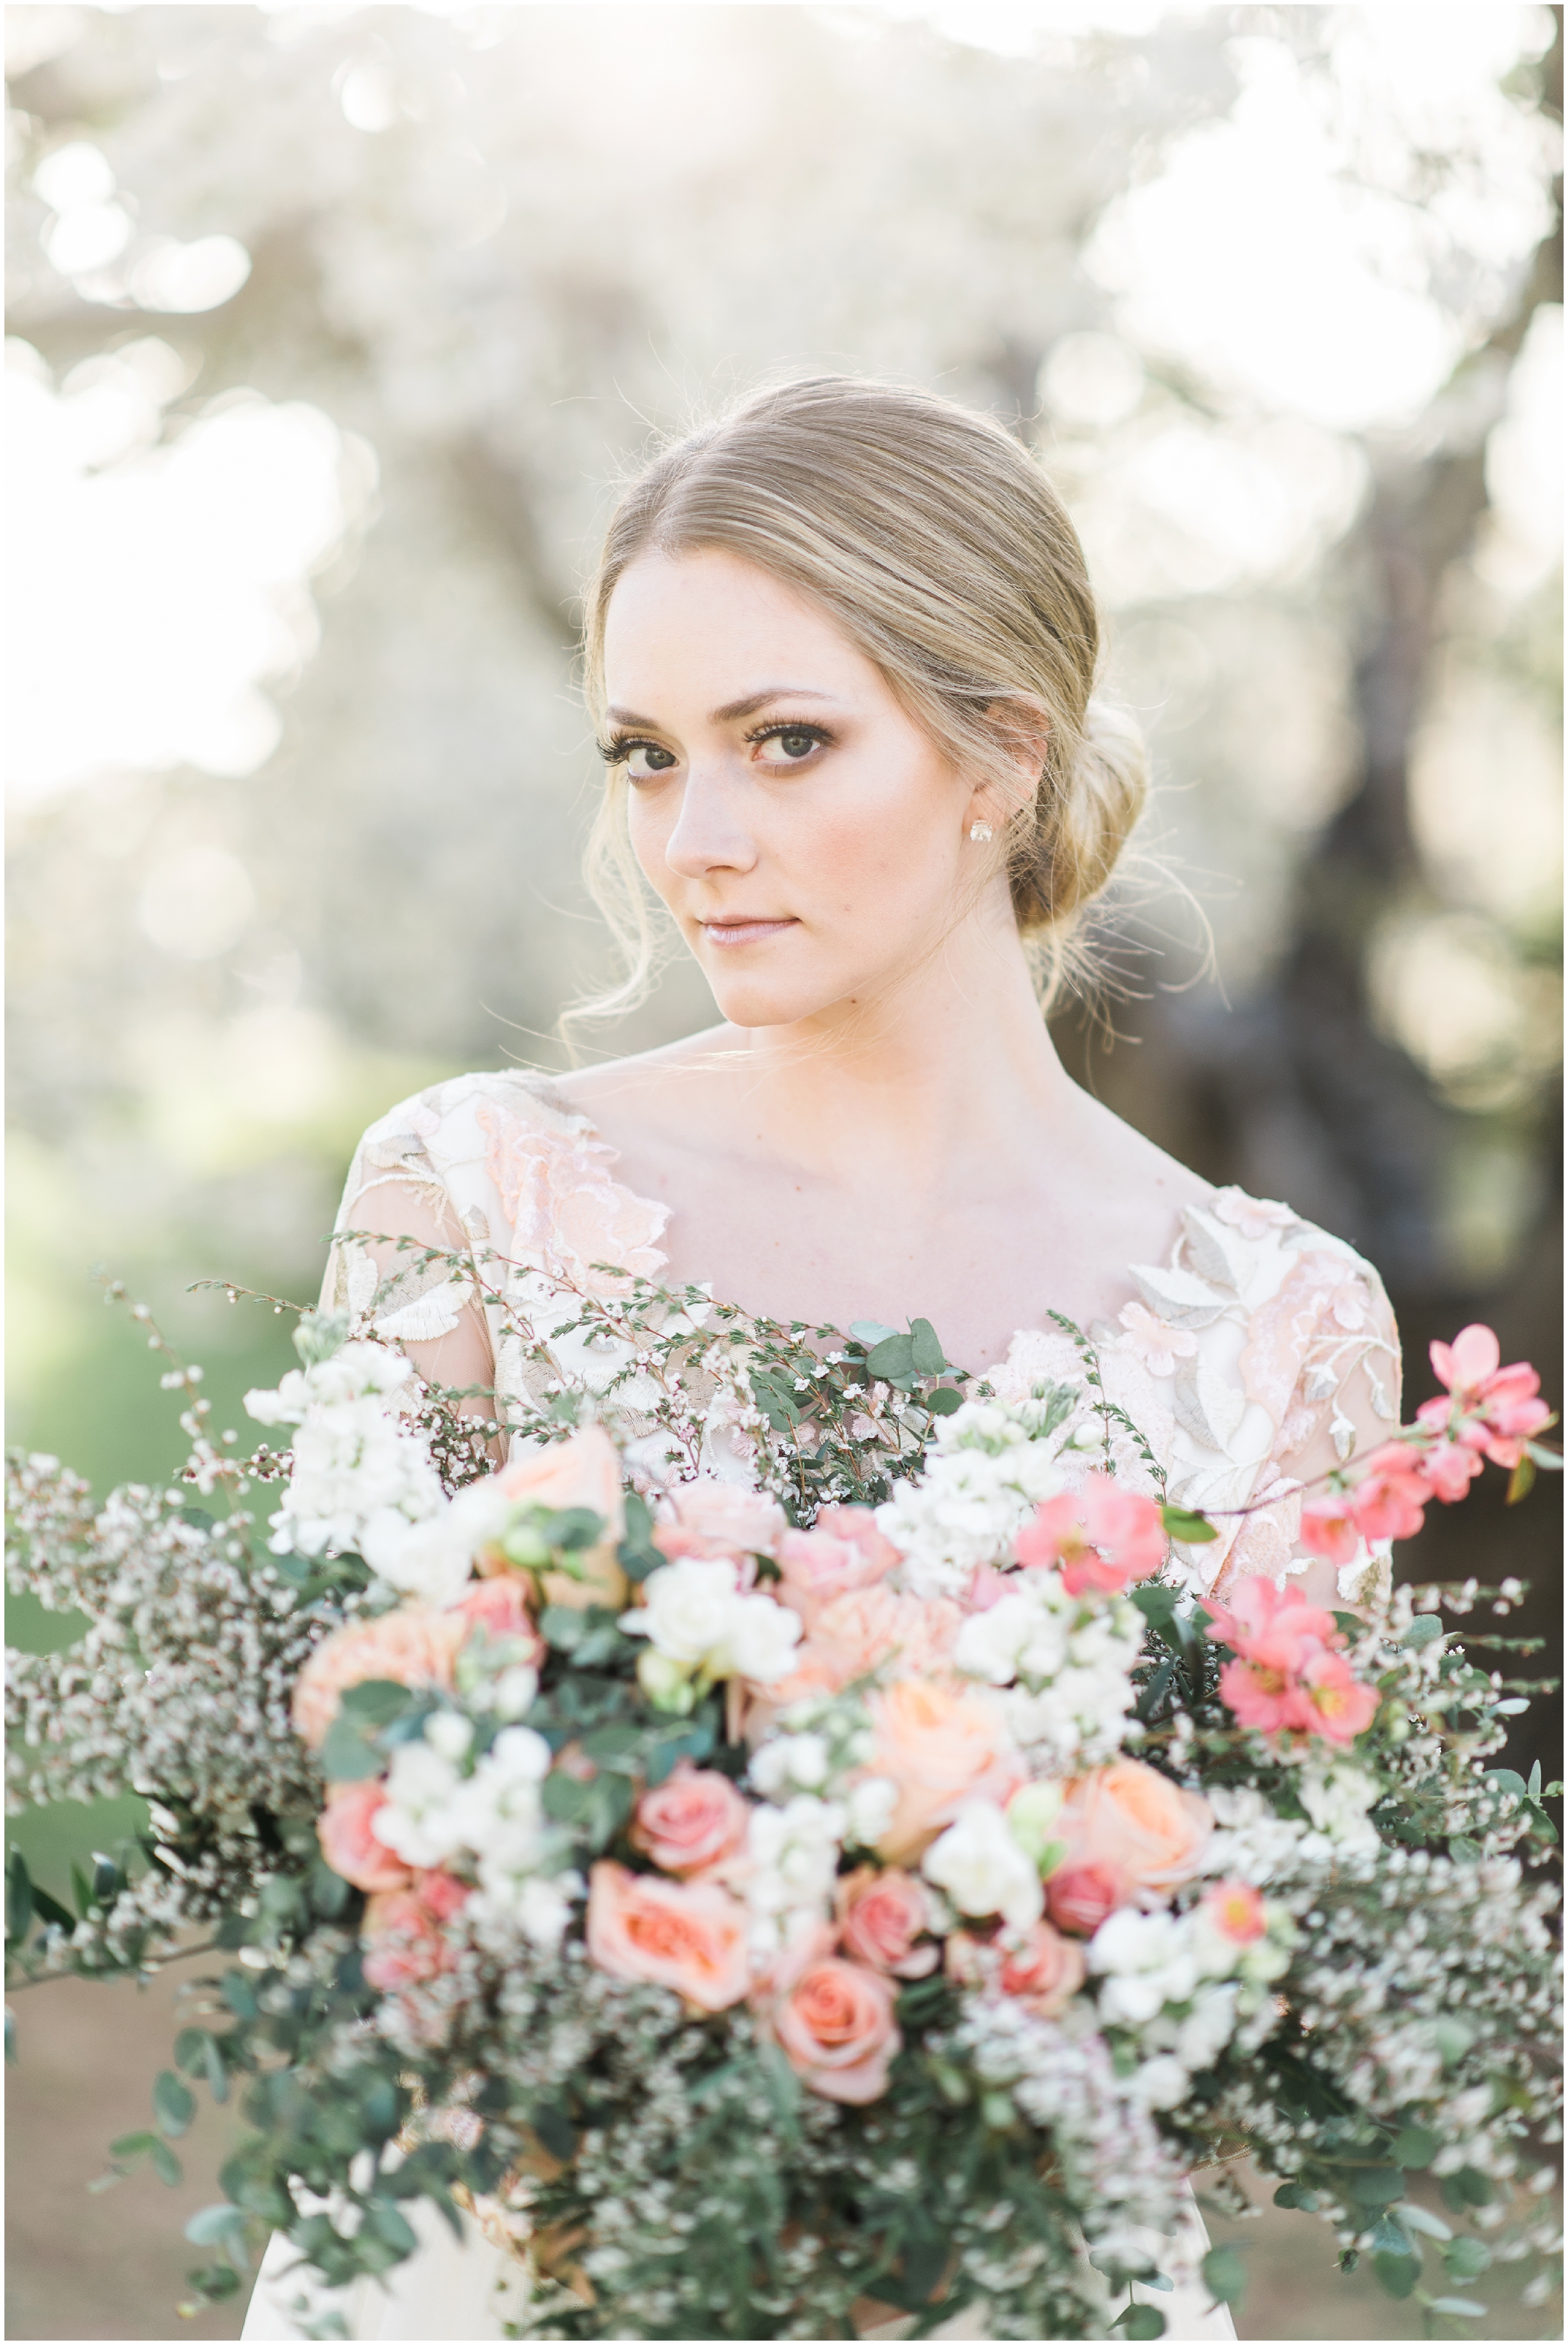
x,y
331,327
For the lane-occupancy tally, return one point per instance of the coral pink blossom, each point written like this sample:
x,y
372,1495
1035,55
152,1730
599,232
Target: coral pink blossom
x,y
939,1746
1449,1467
713,1519
405,1943
695,1818
1389,1496
881,1918
1102,1537
989,1587
1330,1529
689,1935
835,2026
1259,1609
499,1607
1236,1910
1045,1971
868,1629
1502,1404
1079,1896
1145,1832
1333,1701
414,1646
843,1552
347,1843
440,1893
1262,1691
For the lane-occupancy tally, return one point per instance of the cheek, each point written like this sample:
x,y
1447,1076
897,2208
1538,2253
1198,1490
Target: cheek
x,y
892,834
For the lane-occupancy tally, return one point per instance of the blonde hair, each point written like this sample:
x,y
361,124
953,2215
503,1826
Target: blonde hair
x,y
936,542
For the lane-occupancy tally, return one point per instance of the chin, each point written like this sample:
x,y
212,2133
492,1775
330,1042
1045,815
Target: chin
x,y
747,999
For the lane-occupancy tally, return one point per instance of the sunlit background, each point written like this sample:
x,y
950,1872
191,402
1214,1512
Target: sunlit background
x,y
331,327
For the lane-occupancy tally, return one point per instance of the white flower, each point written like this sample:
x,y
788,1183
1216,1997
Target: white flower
x,y
695,1614
1208,2027
417,1559
1161,2083
871,1805
763,1637
981,1866
418,1822
1338,1803
984,1475
793,1855
515,1690
541,1904
1147,1961
353,1371
450,1733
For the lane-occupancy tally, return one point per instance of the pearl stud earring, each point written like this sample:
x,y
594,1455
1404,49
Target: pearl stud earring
x,y
980,832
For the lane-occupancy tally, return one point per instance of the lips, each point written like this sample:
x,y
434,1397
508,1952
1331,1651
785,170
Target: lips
x,y
733,930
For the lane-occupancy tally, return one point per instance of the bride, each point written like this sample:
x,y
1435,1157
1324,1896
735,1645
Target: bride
x,y
845,649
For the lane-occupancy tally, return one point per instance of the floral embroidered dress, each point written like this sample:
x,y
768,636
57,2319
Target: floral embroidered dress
x,y
1257,1353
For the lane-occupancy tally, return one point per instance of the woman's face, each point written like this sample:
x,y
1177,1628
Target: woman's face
x,y
809,839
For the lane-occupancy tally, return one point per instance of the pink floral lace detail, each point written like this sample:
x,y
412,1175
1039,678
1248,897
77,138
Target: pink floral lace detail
x,y
566,1213
1319,1305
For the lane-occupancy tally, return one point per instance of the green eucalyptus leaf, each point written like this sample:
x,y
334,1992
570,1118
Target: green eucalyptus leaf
x,y
1295,2194
1225,2274
1424,1630
1375,2186
1140,2320
166,2165
892,1358
375,1701
1417,2146
174,2103
925,1353
18,1898
944,1400
346,1756
132,2145
1398,2274
210,2225
1184,1524
869,1333
1458,2308
1466,2258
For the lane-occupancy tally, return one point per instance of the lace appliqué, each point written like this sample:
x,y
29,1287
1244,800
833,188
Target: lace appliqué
x,y
565,1212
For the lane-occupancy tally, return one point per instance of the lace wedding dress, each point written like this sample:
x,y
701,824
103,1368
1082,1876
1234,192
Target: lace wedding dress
x,y
1252,1358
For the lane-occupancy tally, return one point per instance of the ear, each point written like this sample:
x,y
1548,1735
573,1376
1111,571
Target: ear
x,y
1023,733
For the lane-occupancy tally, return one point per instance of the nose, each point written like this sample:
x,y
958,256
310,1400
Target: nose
x,y
711,833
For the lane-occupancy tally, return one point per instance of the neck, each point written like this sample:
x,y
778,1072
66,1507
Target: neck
x,y
951,1067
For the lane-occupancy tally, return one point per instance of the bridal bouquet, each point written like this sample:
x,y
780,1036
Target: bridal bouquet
x,y
775,1907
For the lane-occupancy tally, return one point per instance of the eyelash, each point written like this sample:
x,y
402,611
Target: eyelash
x,y
620,746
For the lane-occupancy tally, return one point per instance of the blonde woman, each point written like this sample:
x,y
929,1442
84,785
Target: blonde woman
x,y
845,655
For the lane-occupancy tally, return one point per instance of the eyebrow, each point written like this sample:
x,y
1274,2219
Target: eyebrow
x,y
732,710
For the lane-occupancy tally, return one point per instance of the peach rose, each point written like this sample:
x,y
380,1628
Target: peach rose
x,y
865,1628
405,1943
1136,1826
584,1471
835,2026
691,1935
1045,1971
939,1746
440,1893
499,1607
695,1818
414,1646
347,1843
843,1552
712,1518
881,1916
1079,1896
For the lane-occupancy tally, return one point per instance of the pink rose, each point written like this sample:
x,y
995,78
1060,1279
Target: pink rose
x,y
1079,1896
835,2026
881,1917
1133,1826
584,1471
939,1746
694,1819
867,1629
405,1943
499,1607
1101,1537
1045,1971
843,1552
347,1842
414,1646
689,1935
711,1519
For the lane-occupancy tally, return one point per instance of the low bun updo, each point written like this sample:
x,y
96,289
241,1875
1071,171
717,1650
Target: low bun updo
x,y
936,542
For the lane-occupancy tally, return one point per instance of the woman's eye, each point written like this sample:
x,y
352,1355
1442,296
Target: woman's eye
x,y
793,742
645,759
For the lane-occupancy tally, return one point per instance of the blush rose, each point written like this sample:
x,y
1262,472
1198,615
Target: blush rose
x,y
938,1746
349,1844
694,1821
881,1919
835,2026
689,1935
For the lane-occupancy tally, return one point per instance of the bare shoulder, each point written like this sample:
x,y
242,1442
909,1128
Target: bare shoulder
x,y
1138,1187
